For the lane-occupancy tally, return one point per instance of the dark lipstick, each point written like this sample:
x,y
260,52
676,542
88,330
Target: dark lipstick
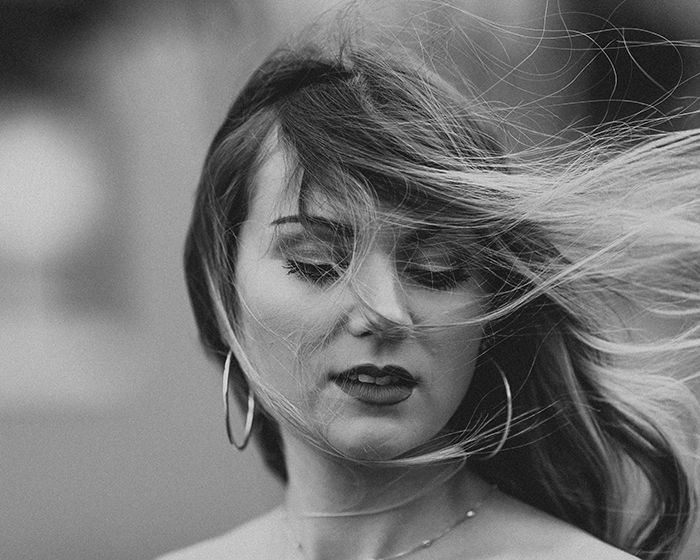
x,y
375,385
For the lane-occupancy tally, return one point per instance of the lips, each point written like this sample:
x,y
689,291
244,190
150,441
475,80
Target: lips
x,y
370,384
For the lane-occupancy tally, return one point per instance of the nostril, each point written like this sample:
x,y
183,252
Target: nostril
x,y
371,323
380,305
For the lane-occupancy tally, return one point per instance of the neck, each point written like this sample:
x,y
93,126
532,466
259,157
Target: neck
x,y
345,510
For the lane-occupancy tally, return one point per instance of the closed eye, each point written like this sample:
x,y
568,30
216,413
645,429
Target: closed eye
x,y
437,279
321,273
316,273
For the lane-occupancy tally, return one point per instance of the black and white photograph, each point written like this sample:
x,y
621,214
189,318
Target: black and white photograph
x,y
349,279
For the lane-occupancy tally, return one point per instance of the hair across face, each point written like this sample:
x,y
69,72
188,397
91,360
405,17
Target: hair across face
x,y
354,209
311,308
364,151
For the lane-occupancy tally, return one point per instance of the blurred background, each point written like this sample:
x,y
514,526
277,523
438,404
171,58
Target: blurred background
x,y
112,443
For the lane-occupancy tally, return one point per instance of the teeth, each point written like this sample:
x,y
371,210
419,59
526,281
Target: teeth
x,y
384,380
372,380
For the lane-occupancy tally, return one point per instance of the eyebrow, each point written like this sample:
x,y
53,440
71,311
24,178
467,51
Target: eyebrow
x,y
319,221
345,230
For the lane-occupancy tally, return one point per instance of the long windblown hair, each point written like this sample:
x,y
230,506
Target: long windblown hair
x,y
590,256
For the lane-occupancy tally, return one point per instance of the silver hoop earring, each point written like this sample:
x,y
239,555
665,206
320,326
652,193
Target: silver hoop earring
x,y
248,430
509,413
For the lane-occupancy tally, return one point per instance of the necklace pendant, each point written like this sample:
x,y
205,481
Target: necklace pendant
x,y
422,544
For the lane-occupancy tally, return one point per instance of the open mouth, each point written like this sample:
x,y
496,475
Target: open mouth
x,y
374,385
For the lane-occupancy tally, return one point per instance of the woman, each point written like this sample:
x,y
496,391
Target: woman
x,y
437,344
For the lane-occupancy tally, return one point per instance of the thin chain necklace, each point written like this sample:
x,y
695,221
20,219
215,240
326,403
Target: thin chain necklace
x,y
427,543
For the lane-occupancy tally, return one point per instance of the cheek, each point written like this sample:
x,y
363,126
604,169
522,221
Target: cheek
x,y
458,313
457,351
454,349
278,317
457,345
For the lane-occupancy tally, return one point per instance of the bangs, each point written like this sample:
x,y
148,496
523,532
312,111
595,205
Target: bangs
x,y
347,207
363,153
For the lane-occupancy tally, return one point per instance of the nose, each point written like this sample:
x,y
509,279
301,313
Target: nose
x,y
380,306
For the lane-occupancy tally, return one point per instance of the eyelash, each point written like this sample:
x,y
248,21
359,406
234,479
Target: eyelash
x,y
327,273
438,279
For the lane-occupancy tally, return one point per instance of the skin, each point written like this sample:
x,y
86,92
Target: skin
x,y
395,508
282,311
510,531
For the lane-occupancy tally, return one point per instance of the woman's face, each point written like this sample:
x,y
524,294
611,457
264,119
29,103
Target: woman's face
x,y
373,392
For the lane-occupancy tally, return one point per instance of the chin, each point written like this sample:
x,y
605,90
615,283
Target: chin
x,y
373,444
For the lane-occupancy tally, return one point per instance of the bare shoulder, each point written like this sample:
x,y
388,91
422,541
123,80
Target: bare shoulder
x,y
574,544
260,539
530,534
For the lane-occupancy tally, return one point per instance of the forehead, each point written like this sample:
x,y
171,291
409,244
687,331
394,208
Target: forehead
x,y
275,194
270,192
276,187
